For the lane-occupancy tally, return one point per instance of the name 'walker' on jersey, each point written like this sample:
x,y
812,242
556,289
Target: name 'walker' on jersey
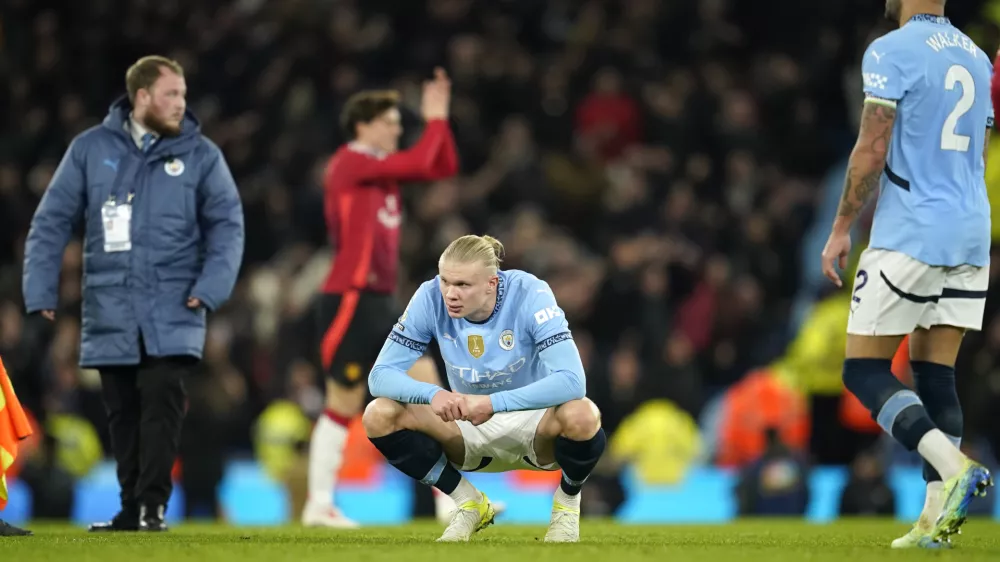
x,y
933,205
522,342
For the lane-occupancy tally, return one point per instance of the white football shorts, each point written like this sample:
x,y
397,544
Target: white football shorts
x,y
505,442
895,294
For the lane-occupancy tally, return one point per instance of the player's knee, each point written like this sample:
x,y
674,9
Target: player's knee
x,y
381,417
579,420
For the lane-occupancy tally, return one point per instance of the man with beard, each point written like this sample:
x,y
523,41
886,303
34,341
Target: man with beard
x,y
162,245
927,267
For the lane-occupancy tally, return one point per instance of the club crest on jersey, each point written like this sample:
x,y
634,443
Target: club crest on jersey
x,y
476,346
352,372
174,167
507,340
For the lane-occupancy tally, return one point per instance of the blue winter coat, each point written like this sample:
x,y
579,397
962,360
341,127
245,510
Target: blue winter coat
x,y
187,240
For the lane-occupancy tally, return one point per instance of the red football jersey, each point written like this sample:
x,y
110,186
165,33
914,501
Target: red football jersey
x,y
362,206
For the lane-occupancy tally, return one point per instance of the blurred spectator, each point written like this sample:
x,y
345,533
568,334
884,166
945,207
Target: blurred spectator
x,y
608,117
867,492
761,403
659,440
776,484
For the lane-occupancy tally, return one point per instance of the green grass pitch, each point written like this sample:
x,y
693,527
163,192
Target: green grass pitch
x,y
757,540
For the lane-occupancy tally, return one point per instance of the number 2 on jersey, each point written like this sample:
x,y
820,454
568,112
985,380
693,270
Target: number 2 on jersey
x,y
950,140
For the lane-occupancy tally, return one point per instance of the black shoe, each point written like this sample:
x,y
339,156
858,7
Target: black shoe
x,y
124,521
151,518
8,530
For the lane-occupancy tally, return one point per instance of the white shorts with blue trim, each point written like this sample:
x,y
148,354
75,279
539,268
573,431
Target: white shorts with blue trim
x,y
505,442
895,294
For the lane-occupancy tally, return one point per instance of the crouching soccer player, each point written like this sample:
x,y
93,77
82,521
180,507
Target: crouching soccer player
x,y
518,399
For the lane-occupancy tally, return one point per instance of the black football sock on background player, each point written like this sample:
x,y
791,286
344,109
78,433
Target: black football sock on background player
x,y
899,411
894,406
935,384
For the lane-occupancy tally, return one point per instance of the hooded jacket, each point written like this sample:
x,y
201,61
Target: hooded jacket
x,y
186,239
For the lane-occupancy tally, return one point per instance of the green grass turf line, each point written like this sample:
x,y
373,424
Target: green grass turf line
x,y
749,541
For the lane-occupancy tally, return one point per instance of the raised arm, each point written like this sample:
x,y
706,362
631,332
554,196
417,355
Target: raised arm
x,y
434,156
423,161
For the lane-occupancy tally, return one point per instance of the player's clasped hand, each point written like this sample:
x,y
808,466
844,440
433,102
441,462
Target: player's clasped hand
x,y
837,248
450,406
479,409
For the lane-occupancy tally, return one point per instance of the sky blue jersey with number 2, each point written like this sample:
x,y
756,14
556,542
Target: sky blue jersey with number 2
x,y
522,356
933,205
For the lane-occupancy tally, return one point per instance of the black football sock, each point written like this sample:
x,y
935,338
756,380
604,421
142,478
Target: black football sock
x,y
420,457
894,406
578,459
936,387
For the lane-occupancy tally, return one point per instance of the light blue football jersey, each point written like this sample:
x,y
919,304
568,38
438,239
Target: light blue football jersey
x,y
523,355
933,205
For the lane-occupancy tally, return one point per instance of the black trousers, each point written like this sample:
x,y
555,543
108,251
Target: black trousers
x,y
146,405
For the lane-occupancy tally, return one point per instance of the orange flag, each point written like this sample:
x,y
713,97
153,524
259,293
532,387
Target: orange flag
x,y
14,427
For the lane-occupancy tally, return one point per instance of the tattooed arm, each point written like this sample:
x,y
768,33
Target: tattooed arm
x,y
864,169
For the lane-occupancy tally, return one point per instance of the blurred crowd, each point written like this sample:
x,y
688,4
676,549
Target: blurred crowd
x,y
658,162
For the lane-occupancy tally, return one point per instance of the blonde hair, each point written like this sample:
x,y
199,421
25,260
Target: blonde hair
x,y
470,248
